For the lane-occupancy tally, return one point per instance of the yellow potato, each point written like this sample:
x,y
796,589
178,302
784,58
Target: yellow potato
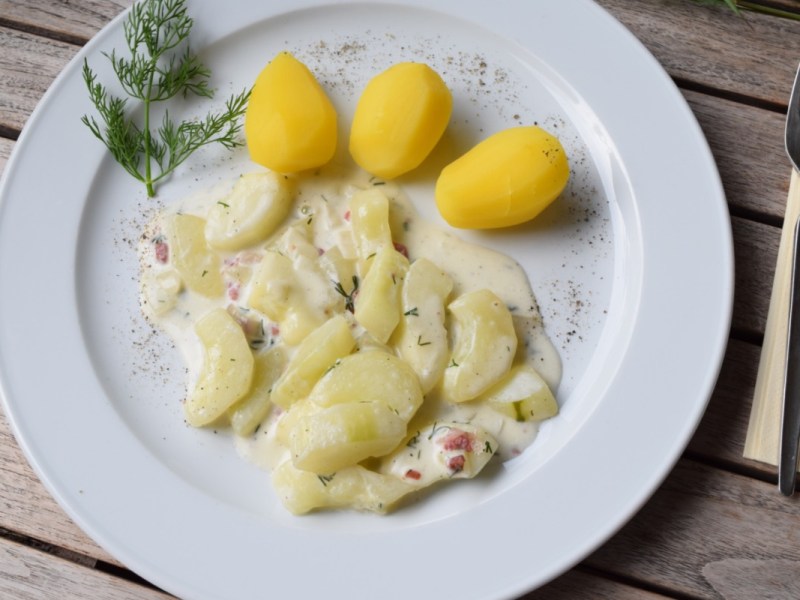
x,y
227,368
315,355
400,117
343,435
368,376
290,124
198,265
483,348
507,179
522,395
352,487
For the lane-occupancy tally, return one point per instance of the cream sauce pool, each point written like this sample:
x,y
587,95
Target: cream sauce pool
x,y
322,201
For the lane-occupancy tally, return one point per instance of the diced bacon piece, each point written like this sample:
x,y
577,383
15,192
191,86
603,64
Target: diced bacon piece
x,y
413,474
456,463
457,439
162,251
401,248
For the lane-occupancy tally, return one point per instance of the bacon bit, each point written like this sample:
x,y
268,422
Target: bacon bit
x,y
456,463
162,252
413,474
233,291
274,330
347,216
457,439
401,248
320,251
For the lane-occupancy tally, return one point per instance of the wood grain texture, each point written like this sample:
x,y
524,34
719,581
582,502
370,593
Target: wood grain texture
x,y
755,250
747,144
698,518
28,65
721,434
28,508
26,574
579,585
754,56
75,20
6,146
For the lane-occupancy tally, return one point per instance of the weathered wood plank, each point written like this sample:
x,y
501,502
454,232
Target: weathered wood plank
x,y
6,146
755,55
72,19
26,574
577,585
28,508
748,147
756,251
702,525
721,434
28,65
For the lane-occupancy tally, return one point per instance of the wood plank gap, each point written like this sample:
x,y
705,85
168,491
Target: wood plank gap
x,y
635,583
746,335
9,132
123,573
754,101
47,548
750,214
735,468
58,36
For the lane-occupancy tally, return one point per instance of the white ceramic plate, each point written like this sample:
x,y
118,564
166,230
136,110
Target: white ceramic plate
x,y
632,267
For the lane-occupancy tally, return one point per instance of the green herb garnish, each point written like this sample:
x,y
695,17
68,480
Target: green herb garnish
x,y
738,5
349,298
160,67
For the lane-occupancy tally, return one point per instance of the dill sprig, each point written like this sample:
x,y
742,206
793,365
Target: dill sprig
x,y
160,67
349,298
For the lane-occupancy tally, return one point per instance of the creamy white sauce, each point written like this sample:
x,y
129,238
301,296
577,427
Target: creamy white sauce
x,y
321,207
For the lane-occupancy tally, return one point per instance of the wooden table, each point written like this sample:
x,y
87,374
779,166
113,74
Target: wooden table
x,y
717,527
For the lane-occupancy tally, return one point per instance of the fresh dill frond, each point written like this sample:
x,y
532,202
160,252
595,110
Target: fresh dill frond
x,y
160,67
349,297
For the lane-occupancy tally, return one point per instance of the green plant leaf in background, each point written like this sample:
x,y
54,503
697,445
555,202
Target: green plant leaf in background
x,y
737,6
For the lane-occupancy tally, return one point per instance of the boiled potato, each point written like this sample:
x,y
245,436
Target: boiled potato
x,y
353,487
258,203
367,376
316,354
289,124
400,117
507,179
522,395
484,346
198,265
278,292
253,408
369,220
421,337
343,435
227,368
377,305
